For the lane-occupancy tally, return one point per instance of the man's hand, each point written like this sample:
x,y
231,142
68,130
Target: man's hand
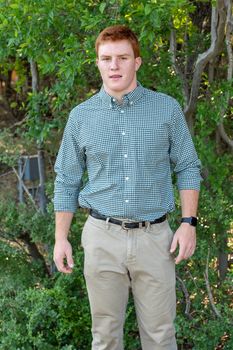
x,y
185,237
62,256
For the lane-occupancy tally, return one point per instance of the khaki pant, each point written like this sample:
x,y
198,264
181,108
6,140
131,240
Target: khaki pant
x,y
117,259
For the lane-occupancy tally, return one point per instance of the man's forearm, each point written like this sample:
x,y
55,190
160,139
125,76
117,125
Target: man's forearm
x,y
189,202
185,235
63,221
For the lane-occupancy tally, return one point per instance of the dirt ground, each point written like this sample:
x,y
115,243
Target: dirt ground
x,y
8,184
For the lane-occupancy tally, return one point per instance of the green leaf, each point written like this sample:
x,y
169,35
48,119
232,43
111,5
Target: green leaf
x,y
148,9
14,6
151,36
102,7
13,104
155,20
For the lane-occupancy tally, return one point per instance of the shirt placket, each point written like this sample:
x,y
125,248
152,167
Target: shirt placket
x,y
125,137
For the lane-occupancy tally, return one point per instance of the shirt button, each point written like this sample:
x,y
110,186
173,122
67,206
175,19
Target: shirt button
x,y
122,111
126,155
123,133
131,102
126,178
114,100
126,201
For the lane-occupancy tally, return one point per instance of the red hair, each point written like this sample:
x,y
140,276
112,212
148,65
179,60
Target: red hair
x,y
116,33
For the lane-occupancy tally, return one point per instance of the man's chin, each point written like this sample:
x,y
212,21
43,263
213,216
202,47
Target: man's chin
x,y
116,86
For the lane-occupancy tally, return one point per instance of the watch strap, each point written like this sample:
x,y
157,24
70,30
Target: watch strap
x,y
192,220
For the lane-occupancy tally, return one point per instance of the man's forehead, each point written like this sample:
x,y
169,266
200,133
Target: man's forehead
x,y
121,47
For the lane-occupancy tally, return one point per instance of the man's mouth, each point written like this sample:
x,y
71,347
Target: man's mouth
x,y
115,76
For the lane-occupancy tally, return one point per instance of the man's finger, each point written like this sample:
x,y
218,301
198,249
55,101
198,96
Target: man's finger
x,y
180,256
64,268
59,262
70,262
173,245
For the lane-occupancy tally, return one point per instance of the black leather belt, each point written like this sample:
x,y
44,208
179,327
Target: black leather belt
x,y
127,225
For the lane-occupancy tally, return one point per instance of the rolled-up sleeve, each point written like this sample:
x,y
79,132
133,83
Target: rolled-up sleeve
x,y
69,167
183,156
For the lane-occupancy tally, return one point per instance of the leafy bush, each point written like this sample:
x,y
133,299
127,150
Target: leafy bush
x,y
39,312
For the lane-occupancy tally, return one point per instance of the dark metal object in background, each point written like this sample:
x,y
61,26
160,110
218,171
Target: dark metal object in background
x,y
31,171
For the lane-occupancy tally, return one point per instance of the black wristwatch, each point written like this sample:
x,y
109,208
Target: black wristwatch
x,y
190,220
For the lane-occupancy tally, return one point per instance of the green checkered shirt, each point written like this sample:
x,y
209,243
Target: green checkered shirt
x,y
129,151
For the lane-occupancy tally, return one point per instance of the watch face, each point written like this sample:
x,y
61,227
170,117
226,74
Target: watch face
x,y
193,221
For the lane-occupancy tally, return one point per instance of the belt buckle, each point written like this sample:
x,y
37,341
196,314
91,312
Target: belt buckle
x,y
123,225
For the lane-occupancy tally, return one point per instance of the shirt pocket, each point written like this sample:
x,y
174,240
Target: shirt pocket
x,y
150,145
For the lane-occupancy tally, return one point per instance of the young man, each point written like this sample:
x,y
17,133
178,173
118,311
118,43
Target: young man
x,y
128,138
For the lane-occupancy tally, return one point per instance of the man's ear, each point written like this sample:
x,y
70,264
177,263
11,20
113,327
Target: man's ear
x,y
138,62
97,61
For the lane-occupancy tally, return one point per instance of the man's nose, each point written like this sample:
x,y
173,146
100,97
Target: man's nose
x,y
114,64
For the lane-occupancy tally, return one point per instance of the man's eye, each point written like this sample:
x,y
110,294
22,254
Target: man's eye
x,y
124,58
105,59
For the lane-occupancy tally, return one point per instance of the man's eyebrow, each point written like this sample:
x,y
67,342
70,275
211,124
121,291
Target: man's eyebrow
x,y
124,54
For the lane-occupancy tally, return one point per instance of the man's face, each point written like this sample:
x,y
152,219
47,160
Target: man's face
x,y
118,67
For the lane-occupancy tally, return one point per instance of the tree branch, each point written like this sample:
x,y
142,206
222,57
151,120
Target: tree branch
x,y
211,299
177,69
6,237
28,247
229,30
18,123
186,295
218,20
224,135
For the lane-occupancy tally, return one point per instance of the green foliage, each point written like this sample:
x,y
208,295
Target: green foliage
x,y
202,329
18,220
10,147
54,313
39,120
47,318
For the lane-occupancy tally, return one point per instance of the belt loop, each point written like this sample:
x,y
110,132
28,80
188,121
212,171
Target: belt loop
x,y
147,226
107,223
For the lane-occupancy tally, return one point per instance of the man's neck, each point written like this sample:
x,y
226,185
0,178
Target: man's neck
x,y
119,95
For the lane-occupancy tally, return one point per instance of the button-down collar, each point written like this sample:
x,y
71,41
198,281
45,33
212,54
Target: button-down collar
x,y
128,99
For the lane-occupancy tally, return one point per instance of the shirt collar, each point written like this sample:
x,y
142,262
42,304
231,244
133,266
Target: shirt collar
x,y
128,99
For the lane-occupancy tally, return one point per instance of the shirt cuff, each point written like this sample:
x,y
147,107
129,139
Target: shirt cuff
x,y
65,200
190,182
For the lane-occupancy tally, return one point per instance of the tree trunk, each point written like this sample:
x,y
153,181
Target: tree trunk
x,y
222,263
42,197
34,251
35,76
